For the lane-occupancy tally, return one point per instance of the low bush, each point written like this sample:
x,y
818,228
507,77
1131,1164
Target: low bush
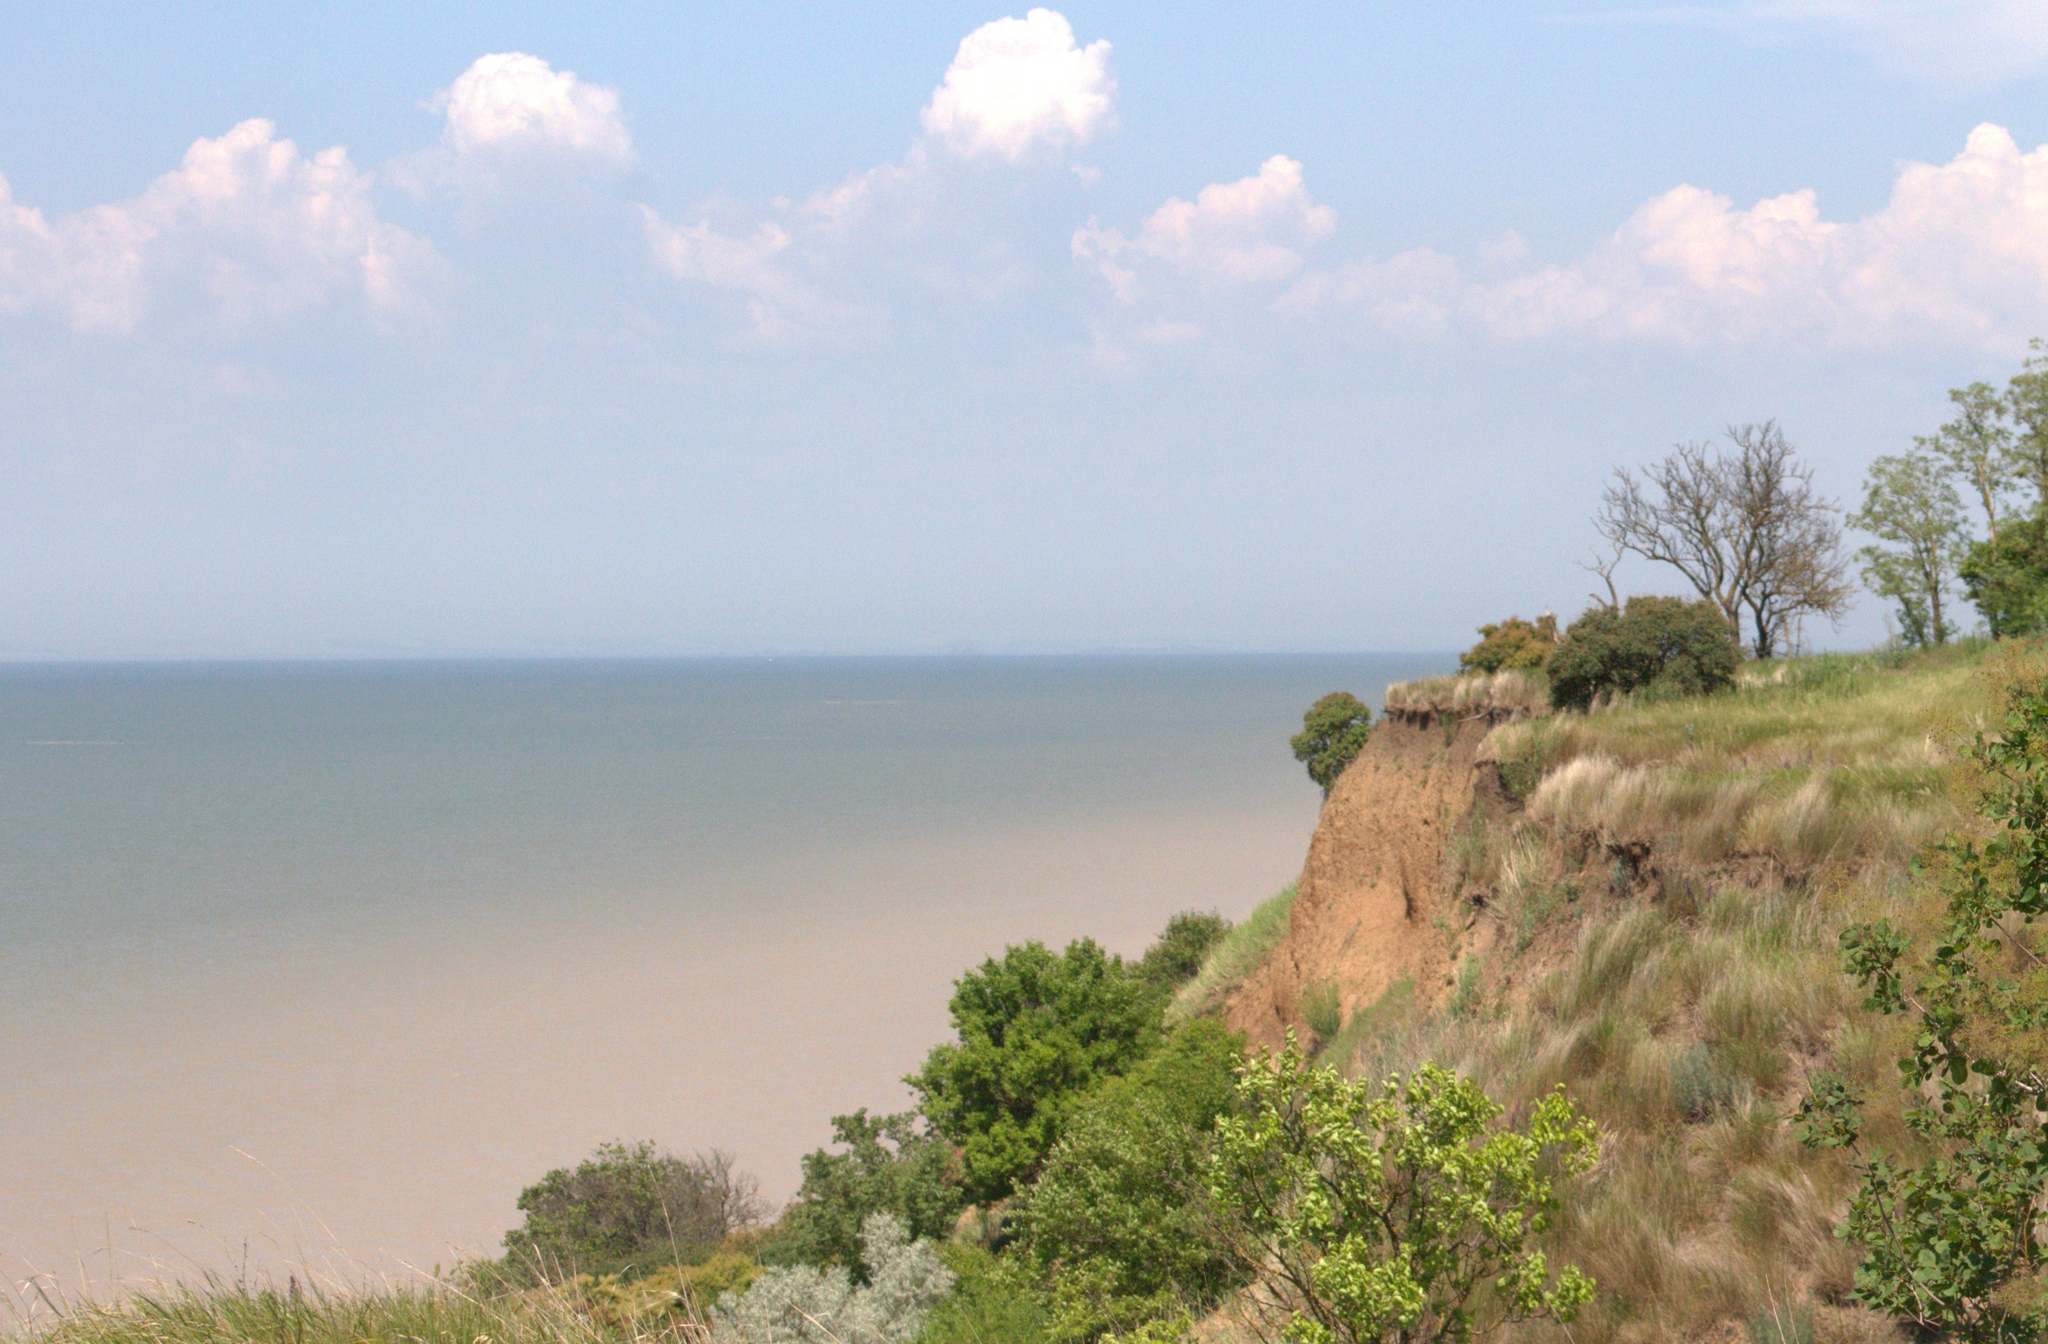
x,y
891,1164
1178,955
629,1207
1514,643
1333,731
1662,645
804,1304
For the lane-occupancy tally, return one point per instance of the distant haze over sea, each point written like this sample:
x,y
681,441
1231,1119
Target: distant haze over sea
x,y
319,964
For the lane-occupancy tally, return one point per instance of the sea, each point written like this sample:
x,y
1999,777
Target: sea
x,y
310,968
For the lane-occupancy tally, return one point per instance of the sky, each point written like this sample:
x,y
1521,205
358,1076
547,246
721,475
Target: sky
x,y
616,330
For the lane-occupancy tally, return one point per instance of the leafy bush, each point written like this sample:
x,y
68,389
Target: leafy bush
x,y
629,1206
1035,1031
803,1304
1333,731
1514,643
1663,644
1403,1216
1120,1225
892,1164
1178,955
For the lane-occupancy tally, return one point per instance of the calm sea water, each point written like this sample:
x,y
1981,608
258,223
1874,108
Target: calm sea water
x,y
316,966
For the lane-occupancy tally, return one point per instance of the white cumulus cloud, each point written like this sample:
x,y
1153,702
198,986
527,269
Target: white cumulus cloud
x,y
1253,230
247,225
1016,85
1959,253
510,101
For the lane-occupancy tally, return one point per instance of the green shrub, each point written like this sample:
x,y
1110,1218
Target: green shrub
x,y
1333,731
629,1207
1035,1031
1120,1225
892,1164
1514,643
1178,955
1664,645
1400,1211
1322,1009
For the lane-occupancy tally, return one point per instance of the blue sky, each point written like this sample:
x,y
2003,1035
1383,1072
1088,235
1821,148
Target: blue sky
x,y
550,329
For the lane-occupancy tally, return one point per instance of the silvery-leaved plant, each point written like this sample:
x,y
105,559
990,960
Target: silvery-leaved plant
x,y
801,1304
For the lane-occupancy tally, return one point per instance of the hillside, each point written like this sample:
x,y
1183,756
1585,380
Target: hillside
x,y
1641,903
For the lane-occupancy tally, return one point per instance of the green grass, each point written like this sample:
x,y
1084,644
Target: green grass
x,y
1240,952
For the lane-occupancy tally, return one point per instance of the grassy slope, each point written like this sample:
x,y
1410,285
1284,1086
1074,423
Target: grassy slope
x,y
1655,929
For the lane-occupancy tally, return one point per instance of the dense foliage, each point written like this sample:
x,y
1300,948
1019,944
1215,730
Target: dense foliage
x,y
1033,1033
629,1206
1120,1226
1398,1212
1514,643
1178,954
894,1164
1333,731
1953,1242
1662,644
1916,514
2007,578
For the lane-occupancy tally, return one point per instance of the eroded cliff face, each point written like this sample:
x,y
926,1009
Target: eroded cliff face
x,y
1374,904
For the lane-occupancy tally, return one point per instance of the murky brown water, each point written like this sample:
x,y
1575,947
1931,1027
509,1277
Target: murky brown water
x,y
318,966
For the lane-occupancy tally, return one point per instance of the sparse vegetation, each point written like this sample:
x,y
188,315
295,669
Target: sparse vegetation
x,y
1235,955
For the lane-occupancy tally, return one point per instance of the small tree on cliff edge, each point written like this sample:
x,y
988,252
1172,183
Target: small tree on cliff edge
x,y
1333,731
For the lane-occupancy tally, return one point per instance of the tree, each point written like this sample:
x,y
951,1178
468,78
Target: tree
x,y
1514,643
1954,1242
1665,645
1333,731
1746,529
1403,1216
2007,580
1034,1031
1909,503
1977,448
2026,403
629,1206
892,1164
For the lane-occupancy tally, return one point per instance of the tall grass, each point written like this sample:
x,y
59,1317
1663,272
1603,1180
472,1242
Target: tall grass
x,y
218,1312
1236,955
1510,692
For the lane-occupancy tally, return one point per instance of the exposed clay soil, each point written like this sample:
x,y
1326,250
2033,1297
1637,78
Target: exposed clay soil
x,y
1373,905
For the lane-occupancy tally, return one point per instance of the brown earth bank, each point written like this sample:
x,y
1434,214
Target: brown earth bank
x,y
1374,905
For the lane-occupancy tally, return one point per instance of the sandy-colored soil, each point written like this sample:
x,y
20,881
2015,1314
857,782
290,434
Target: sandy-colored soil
x,y
1374,905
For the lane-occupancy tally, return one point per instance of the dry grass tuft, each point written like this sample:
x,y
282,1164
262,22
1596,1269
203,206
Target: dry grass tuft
x,y
1511,691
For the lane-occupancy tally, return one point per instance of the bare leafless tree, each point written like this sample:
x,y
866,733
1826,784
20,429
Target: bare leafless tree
x,y
1745,528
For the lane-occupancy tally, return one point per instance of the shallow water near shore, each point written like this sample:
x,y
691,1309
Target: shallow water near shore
x,y
312,967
